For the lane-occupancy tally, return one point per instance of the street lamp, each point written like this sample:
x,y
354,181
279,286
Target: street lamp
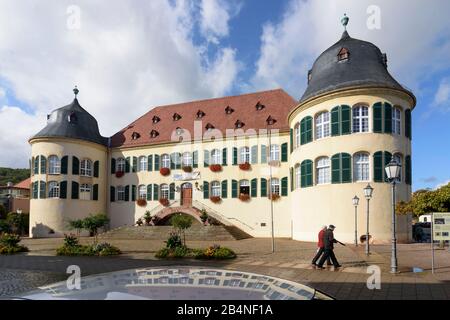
x,y
368,194
393,170
355,203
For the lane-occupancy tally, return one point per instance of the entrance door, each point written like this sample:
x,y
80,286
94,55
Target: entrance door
x,y
186,194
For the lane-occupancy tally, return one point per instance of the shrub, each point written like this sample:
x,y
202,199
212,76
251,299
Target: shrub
x,y
147,217
2,212
100,249
12,250
180,252
224,253
214,252
77,225
9,240
204,216
95,222
163,253
173,241
139,222
4,227
181,222
70,240
18,222
105,249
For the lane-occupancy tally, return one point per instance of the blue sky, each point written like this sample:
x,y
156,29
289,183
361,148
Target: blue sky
x,y
135,55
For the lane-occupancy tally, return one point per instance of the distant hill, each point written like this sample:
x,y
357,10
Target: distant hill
x,y
13,175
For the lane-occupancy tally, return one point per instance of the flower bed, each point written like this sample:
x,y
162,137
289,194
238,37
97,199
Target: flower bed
x,y
9,244
187,169
245,166
119,174
215,167
215,199
164,171
164,202
213,252
72,247
141,202
244,197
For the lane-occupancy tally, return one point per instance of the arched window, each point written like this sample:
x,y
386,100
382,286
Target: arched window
x,y
297,135
142,191
187,159
120,193
215,189
85,191
399,159
361,166
165,161
274,152
120,167
53,189
323,171
54,165
298,176
360,119
396,120
216,156
244,187
86,168
164,191
244,155
323,125
142,163
275,186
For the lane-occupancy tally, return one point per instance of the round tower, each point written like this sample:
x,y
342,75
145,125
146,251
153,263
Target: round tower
x,y
351,120
68,171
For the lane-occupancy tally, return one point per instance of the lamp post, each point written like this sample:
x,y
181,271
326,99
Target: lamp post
x,y
355,204
393,170
368,194
270,188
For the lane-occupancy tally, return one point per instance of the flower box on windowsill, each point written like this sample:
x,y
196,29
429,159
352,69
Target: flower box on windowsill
x,y
119,174
187,169
245,166
275,163
164,202
215,199
274,197
215,167
164,171
244,197
141,202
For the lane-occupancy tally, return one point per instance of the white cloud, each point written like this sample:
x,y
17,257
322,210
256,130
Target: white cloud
x,y
125,58
215,16
442,96
2,93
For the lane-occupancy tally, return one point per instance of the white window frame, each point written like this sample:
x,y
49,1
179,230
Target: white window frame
x,y
54,165
120,166
142,191
275,186
244,183
274,154
244,155
53,190
86,168
323,170
297,135
142,163
361,167
298,176
120,193
187,159
360,119
164,190
85,191
216,189
216,156
323,125
397,120
165,161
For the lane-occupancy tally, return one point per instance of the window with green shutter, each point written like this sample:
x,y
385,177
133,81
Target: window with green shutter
x,y
113,165
96,169
224,189
63,190
284,152
36,165
64,165
254,188
306,130
149,192
346,165
408,170
156,162
387,118
306,173
42,190
135,160
235,156
75,166
234,189
408,122
335,121
284,187
177,160
155,192
75,190
172,191
336,169
346,120
112,194
224,157
205,190
35,186
150,163
263,187
133,193
378,170
254,154
127,193
263,154
387,159
377,117
127,165
43,165
206,158
291,140
172,161
195,159
291,172
95,192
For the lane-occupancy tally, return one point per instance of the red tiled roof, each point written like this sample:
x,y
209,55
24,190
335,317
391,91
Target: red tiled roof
x,y
25,184
277,105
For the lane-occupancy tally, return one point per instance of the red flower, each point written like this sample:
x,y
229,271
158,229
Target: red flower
x,y
215,199
244,197
141,202
274,196
164,202
245,166
187,169
119,174
164,171
215,167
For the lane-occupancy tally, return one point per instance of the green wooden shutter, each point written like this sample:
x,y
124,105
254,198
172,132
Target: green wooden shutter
x,y
346,120
408,170
263,187
377,117
127,193
302,132
303,174
135,160
33,166
42,190
113,165
96,169
408,132
291,172
64,165
309,173
224,157
346,165
112,194
172,191
133,193
75,166
95,192
254,188
284,187
336,168
149,192
205,190
309,129
263,154
43,165
35,189
206,158
177,160
387,159
172,160
234,189
254,155
224,189
235,156
387,118
291,135
156,162
127,165
75,190
335,121
150,163
195,159
378,166
63,190
284,152
36,165
155,192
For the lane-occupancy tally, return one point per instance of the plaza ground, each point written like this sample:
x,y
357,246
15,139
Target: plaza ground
x,y
291,260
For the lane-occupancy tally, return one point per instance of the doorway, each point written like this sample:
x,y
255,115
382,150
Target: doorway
x,y
186,194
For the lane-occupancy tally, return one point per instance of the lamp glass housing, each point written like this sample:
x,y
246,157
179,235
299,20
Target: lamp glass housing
x,y
368,191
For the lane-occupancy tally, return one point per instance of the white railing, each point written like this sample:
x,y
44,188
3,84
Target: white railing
x,y
217,215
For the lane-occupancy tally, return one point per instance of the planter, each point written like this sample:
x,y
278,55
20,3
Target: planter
x,y
187,169
141,202
244,197
164,202
274,197
245,166
164,171
215,199
119,174
215,167
275,163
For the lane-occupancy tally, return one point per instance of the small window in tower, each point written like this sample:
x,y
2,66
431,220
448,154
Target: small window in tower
x,y
309,76
179,131
239,124
271,121
200,114
135,136
176,117
154,134
72,118
209,127
343,55
156,119
260,106
229,110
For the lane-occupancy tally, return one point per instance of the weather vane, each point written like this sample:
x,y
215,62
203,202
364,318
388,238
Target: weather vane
x,y
75,90
344,21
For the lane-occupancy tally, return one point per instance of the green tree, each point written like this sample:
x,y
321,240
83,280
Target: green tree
x,y
181,223
76,225
427,201
95,222
17,222
3,212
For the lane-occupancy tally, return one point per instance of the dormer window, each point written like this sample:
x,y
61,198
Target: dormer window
x,y
176,117
343,55
239,124
229,110
154,134
271,121
200,114
209,127
72,118
135,136
179,131
260,106
156,119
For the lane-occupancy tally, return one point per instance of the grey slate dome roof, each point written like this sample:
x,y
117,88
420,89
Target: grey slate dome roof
x,y
366,66
72,121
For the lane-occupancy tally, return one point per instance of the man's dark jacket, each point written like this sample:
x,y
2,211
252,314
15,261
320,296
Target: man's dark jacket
x,y
328,240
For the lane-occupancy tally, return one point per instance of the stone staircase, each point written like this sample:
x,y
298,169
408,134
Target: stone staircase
x,y
196,233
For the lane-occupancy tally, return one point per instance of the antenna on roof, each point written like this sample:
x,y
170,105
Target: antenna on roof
x,y
76,91
344,21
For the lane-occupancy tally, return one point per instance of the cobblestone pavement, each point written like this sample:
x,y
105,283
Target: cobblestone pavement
x,y
290,261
